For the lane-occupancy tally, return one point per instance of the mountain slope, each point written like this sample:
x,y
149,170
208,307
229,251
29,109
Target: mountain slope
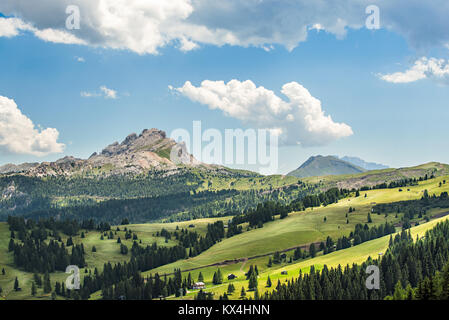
x,y
145,177
324,166
375,177
135,155
363,164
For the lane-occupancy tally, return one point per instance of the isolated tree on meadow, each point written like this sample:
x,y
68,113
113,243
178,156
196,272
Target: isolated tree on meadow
x,y
243,292
269,282
33,289
16,284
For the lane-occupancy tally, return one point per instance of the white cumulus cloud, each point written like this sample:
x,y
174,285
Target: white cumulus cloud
x,y
300,120
430,68
18,134
145,26
11,27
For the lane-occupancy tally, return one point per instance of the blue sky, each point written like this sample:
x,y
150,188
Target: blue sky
x,y
398,123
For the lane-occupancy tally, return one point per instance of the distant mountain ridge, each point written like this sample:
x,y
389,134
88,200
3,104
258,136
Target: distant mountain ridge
x,y
364,164
13,168
148,151
324,166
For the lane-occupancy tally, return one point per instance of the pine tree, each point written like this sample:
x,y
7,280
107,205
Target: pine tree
x,y
312,250
37,280
189,280
409,292
243,292
219,277
445,282
47,283
252,284
16,284
269,282
11,245
33,289
256,294
399,293
200,277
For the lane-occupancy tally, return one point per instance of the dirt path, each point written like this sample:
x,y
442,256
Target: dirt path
x,y
243,265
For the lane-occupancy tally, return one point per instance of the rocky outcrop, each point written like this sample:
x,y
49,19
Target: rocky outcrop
x,y
150,150
12,168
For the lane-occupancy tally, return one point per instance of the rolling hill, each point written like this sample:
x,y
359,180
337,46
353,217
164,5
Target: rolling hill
x,y
364,164
254,246
376,177
324,166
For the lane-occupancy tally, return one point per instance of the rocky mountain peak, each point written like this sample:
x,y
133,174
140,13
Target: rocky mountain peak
x,y
150,150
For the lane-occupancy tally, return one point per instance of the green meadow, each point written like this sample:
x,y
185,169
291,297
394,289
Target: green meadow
x,y
353,255
305,227
253,246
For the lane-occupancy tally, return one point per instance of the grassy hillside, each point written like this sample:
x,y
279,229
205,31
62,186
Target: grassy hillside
x,y
107,251
353,255
375,177
251,247
301,228
323,166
